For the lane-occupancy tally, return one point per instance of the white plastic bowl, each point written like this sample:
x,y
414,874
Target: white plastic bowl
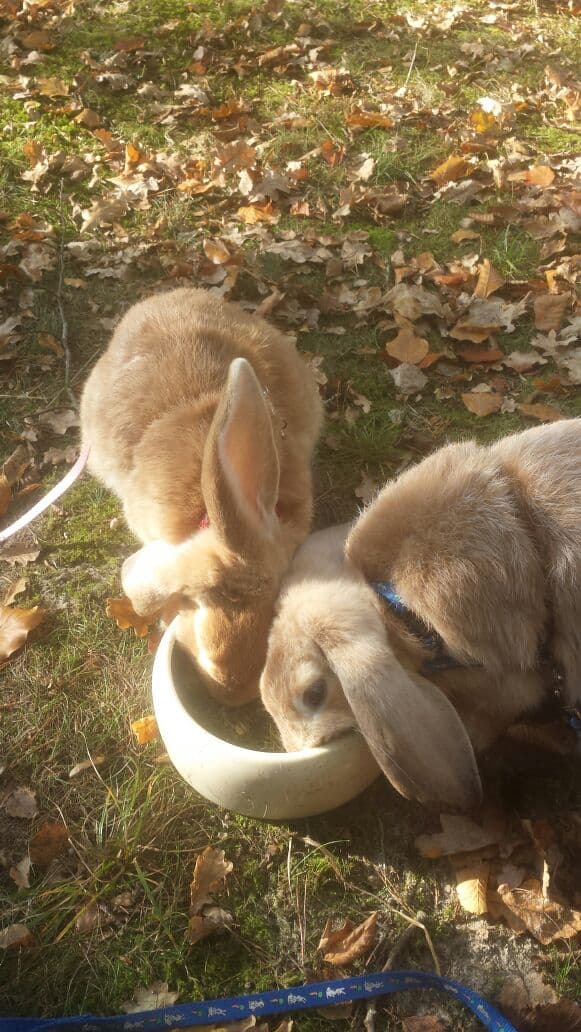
x,y
270,786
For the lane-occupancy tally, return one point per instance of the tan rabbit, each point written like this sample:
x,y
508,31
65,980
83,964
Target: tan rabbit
x,y
447,611
203,420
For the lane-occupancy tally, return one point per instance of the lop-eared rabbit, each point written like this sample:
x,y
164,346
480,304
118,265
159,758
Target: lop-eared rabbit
x,y
203,420
447,611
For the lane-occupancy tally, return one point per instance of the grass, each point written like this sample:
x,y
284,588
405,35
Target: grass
x,y
74,691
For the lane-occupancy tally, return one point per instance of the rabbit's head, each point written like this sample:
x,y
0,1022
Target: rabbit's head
x,y
330,667
225,578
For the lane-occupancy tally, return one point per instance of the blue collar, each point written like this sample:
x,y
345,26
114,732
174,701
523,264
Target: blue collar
x,y
440,659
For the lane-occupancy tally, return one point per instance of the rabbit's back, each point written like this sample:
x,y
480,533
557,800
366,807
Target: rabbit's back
x,y
546,465
148,404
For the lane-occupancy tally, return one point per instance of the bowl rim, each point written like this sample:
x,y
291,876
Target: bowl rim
x,y
162,677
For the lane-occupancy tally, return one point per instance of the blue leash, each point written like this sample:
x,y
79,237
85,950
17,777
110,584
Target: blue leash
x,y
275,1001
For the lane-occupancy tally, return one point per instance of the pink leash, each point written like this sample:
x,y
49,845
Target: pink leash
x,y
54,493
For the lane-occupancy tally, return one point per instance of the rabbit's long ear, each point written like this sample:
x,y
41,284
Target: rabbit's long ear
x,y
412,729
240,470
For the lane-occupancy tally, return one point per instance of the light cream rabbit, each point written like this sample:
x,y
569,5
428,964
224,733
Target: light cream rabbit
x,y
203,420
450,608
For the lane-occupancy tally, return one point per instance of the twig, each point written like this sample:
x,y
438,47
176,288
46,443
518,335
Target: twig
x,y
59,301
411,67
398,948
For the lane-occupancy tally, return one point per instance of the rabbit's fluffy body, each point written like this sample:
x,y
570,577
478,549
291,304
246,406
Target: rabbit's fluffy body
x,y
197,413
483,544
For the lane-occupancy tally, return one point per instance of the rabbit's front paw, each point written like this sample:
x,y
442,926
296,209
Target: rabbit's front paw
x,y
145,577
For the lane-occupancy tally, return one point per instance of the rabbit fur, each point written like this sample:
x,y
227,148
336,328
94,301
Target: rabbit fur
x,y
203,420
483,544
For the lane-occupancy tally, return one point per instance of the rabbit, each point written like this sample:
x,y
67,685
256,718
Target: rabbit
x,y
479,550
203,420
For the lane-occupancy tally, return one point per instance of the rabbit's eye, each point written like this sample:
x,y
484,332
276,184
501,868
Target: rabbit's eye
x,y
315,695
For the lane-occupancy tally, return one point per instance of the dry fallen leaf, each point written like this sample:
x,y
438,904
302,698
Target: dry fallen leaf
x,y
21,803
156,996
50,841
522,361
210,872
537,175
5,494
47,342
60,421
88,118
482,404
88,918
14,589
471,887
549,310
481,355
15,626
331,153
408,378
344,945
407,346
145,730
489,280
464,234
458,835
423,1023
527,909
453,168
211,920
121,610
216,252
369,120
367,489
15,936
251,214
411,302
20,873
537,410
563,1016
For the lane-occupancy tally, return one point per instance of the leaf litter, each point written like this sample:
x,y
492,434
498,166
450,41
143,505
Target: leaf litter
x,y
435,306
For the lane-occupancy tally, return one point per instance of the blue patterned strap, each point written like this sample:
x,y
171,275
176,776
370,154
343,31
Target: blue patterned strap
x,y
276,1001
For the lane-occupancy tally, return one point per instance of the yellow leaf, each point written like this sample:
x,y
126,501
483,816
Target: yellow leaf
x,y
145,730
471,887
369,119
482,121
15,626
132,156
453,168
121,610
216,251
253,213
464,234
489,280
407,347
